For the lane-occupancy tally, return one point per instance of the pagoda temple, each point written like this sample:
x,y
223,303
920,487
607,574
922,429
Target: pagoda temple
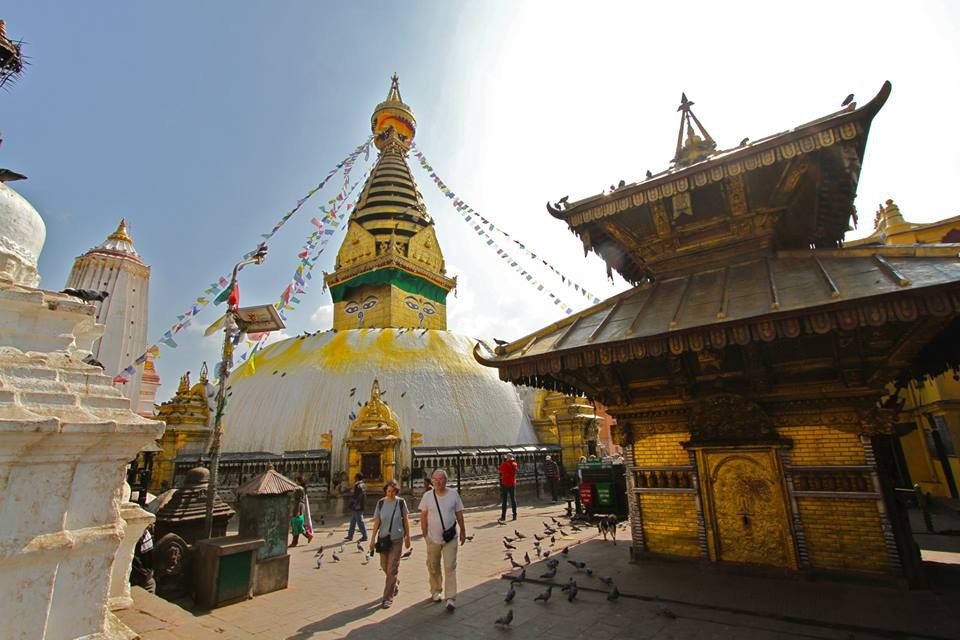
x,y
749,367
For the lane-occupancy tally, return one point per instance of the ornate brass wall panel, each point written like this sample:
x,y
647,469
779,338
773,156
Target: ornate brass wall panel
x,y
746,513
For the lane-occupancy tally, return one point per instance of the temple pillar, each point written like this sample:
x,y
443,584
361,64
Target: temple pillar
x,y
135,522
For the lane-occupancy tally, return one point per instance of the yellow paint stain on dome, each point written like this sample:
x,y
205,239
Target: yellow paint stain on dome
x,y
365,348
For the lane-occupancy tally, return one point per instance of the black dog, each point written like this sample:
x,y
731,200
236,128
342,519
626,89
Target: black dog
x,y
607,525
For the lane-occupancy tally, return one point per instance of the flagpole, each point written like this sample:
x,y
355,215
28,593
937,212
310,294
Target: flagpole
x,y
230,325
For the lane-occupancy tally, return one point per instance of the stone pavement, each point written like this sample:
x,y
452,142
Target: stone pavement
x,y
659,599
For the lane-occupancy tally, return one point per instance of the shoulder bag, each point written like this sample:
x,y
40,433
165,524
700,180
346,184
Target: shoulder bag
x,y
384,542
448,534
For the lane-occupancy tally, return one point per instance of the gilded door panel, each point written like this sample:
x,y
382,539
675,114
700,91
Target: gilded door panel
x,y
748,509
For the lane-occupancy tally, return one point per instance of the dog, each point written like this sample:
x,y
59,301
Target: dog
x,y
607,525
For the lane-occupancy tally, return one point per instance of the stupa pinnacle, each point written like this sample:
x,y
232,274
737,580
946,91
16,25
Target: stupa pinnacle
x,y
390,271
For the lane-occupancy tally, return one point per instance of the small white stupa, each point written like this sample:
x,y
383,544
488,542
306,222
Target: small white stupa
x,y
66,436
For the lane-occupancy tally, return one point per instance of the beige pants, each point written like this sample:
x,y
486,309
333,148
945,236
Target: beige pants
x,y
447,581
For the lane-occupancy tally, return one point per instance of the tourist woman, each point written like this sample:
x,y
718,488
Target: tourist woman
x,y
390,523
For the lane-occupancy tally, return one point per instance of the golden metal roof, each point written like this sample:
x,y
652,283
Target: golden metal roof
x,y
756,299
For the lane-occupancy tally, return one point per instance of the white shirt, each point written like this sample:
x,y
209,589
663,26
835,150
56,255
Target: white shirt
x,y
450,504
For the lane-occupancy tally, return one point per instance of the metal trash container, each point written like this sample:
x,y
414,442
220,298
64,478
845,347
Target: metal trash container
x,y
603,488
224,570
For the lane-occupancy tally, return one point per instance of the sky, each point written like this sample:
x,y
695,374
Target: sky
x,y
203,122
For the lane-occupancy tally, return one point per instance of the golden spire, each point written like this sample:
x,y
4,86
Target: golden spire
x,y
184,383
392,122
121,235
696,147
203,374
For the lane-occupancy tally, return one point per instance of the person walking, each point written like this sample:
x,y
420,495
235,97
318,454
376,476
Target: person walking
x,y
297,527
357,504
552,471
508,486
391,537
441,515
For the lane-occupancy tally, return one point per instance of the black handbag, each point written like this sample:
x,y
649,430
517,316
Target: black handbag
x,y
448,534
383,543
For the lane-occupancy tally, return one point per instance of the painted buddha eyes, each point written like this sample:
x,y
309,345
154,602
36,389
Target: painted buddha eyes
x,y
429,309
412,303
353,306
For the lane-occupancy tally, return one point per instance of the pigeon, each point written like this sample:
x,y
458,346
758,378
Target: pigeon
x,y
331,533
576,528
744,142
548,531
508,539
549,575
569,584
420,407
621,184
510,595
526,557
508,545
545,525
554,520
553,540
589,572
319,552
553,564
546,554
406,554
563,200
566,551
847,100
563,534
515,564
579,566
663,610
319,562
536,545
614,594
522,576
353,391
572,593
87,295
545,595
538,538
505,620
607,580
519,535
649,174
336,558
90,359
469,538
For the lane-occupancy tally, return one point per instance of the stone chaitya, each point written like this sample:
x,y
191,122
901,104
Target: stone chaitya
x,y
749,368
66,435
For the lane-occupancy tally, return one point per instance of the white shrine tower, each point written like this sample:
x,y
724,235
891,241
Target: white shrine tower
x,y
115,267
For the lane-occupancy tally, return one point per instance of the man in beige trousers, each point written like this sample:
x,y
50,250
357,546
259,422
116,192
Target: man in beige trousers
x,y
442,509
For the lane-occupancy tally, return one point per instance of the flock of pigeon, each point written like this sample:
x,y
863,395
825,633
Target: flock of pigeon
x,y
551,534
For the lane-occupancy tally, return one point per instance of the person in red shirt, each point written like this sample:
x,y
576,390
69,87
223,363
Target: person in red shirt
x,y
508,486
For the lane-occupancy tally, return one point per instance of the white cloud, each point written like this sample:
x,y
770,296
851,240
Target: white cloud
x,y
322,317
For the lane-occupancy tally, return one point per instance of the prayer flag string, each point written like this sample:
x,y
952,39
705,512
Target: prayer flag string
x,y
468,213
186,318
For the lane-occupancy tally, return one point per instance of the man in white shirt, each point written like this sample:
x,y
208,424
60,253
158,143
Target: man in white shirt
x,y
439,510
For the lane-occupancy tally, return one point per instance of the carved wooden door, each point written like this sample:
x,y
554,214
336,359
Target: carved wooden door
x,y
748,512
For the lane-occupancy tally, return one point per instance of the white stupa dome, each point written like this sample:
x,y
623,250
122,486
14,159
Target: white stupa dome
x,y
302,387
22,234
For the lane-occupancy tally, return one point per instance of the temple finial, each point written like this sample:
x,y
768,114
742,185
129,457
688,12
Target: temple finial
x,y
121,233
695,147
